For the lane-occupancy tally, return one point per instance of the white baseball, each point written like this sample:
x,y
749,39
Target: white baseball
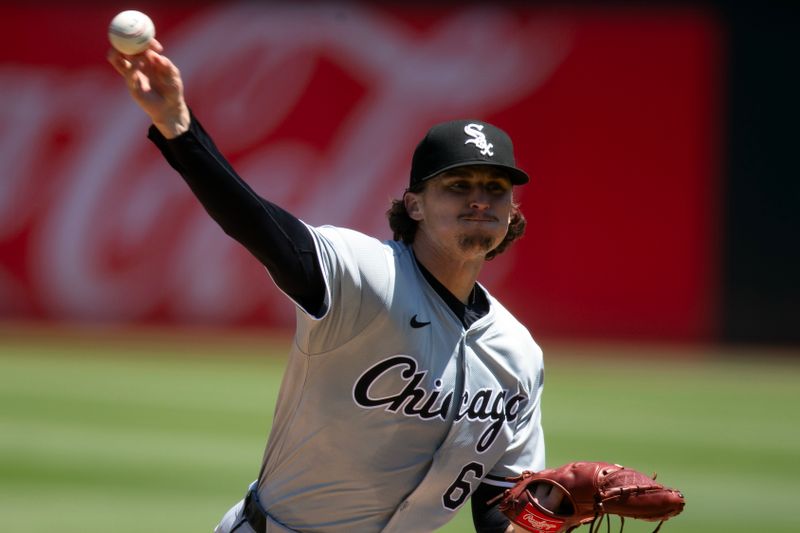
x,y
130,32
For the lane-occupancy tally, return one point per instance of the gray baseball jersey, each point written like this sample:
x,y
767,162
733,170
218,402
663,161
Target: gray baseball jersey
x,y
391,413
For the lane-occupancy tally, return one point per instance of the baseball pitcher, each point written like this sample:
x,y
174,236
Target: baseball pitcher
x,y
409,388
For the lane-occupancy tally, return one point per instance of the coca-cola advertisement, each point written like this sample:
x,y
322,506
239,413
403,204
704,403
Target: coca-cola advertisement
x,y
614,113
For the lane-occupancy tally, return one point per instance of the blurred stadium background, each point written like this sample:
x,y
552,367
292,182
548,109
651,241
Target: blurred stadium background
x,y
140,349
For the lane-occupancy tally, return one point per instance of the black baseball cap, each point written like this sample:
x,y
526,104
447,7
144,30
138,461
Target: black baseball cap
x,y
459,143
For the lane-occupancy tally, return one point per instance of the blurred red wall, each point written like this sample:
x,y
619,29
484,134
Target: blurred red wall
x,y
614,112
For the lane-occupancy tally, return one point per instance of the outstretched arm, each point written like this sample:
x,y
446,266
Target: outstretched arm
x,y
278,239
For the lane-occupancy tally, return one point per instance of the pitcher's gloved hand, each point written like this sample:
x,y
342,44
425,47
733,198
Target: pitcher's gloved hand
x,y
583,493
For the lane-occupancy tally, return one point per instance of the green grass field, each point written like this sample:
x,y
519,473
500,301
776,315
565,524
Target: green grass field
x,y
154,432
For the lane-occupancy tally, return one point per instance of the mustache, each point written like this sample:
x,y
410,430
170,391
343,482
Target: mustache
x,y
485,217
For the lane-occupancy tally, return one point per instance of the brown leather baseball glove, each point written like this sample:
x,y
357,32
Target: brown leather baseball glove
x,y
591,490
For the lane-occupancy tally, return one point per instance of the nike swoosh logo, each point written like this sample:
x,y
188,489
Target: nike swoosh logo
x,y
416,323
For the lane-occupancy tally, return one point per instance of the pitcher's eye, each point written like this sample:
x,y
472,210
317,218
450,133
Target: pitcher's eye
x,y
496,187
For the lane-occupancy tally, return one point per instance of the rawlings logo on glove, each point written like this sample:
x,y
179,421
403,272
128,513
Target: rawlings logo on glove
x,y
533,520
591,490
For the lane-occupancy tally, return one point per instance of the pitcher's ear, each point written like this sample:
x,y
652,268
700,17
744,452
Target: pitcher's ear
x,y
413,205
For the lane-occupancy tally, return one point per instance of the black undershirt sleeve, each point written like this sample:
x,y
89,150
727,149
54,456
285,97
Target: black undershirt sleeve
x,y
275,237
487,518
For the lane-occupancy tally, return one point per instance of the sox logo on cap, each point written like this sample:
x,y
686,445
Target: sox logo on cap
x,y
478,139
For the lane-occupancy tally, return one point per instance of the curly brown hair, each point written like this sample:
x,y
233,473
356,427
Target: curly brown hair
x,y
404,228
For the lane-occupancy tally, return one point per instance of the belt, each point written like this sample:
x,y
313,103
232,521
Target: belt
x,y
253,512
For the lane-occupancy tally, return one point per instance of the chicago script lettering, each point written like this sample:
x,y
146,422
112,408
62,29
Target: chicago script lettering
x,y
411,395
400,375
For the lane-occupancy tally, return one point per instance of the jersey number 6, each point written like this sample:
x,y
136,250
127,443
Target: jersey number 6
x,y
460,490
